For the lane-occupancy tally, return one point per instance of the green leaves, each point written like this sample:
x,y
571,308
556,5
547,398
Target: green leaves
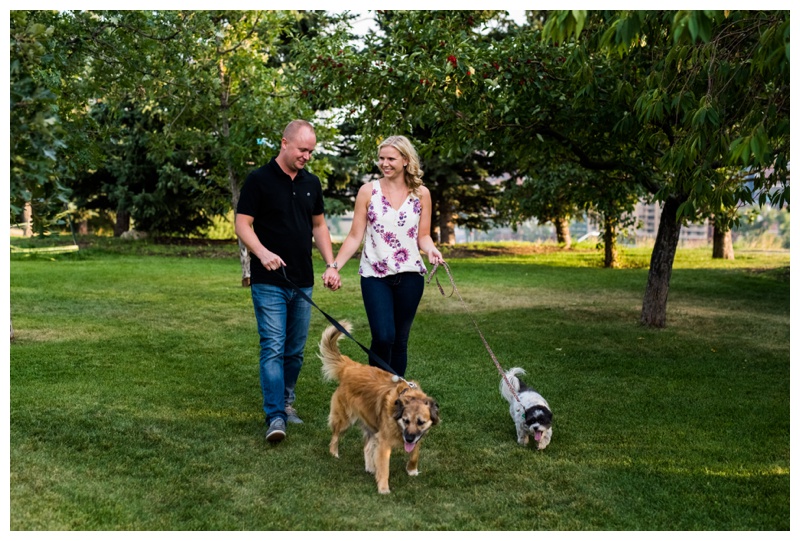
x,y
700,25
36,133
206,84
751,150
706,91
563,25
705,114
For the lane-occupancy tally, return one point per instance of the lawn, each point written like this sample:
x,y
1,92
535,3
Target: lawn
x,y
134,398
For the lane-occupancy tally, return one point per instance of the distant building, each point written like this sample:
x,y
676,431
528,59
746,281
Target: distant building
x,y
648,216
589,226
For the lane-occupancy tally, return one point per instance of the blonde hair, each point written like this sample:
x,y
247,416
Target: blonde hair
x,y
413,173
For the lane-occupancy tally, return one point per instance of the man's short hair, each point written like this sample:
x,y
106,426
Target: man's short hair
x,y
295,126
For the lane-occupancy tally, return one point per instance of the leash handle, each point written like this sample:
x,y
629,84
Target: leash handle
x,y
474,323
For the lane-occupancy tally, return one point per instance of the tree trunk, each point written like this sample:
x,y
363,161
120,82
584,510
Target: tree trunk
x,y
654,306
236,191
723,243
27,216
244,254
233,178
123,222
562,231
610,242
446,224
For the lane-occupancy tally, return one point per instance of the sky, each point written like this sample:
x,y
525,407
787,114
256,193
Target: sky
x,y
365,21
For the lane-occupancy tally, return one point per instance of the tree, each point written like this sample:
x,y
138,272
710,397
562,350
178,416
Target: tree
x,y
36,136
725,214
547,193
716,97
461,193
614,199
212,81
387,83
653,101
170,195
343,173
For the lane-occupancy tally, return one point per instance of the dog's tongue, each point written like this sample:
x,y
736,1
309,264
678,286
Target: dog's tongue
x,y
537,435
410,446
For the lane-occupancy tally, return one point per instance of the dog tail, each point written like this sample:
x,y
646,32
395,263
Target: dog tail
x,y
329,351
511,376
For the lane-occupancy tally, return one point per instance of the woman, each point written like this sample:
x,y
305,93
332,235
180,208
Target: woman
x,y
395,214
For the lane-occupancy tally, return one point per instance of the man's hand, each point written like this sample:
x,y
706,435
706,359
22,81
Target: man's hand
x,y
271,261
331,279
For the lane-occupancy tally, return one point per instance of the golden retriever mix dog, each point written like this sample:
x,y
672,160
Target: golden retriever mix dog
x,y
392,412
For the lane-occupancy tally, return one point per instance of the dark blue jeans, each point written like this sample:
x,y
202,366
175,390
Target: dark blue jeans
x,y
283,317
391,304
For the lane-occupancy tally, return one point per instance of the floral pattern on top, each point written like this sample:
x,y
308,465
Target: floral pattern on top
x,y
391,245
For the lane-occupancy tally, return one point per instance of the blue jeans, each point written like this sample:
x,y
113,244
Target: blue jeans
x,y
283,317
391,304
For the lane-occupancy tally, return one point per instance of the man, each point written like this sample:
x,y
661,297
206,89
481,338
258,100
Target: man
x,y
280,210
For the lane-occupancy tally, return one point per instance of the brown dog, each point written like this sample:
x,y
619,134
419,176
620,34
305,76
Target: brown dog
x,y
391,411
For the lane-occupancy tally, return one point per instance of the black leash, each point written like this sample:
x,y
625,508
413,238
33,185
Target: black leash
x,y
371,354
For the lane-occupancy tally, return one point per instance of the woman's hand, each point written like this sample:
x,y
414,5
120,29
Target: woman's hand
x,y
331,279
435,256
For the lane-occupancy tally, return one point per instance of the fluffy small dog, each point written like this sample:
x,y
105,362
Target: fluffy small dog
x,y
531,413
392,412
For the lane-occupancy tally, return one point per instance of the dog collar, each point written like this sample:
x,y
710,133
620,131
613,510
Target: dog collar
x,y
411,384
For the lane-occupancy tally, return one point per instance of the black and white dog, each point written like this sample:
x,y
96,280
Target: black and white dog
x,y
530,413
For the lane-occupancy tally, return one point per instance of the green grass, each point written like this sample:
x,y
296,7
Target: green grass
x,y
134,400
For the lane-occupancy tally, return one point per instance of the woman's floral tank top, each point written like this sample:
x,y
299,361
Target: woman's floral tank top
x,y
390,243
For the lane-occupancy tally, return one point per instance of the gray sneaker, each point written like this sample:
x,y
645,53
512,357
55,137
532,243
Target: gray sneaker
x,y
291,416
276,431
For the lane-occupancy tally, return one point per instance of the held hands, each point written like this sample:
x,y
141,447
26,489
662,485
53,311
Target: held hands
x,y
331,279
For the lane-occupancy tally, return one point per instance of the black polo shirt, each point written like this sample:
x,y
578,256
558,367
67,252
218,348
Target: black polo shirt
x,y
282,209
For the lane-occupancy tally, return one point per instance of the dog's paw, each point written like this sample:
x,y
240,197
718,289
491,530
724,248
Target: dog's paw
x,y
384,490
413,472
